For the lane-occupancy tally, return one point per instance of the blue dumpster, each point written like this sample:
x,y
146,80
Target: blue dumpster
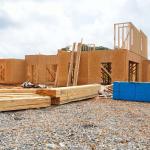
x,y
132,91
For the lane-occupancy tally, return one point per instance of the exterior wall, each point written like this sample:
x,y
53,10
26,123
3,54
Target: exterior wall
x,y
138,59
34,67
38,68
118,65
83,69
90,65
116,57
146,71
63,67
12,71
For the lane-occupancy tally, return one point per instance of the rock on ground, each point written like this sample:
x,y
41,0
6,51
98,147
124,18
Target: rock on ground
x,y
96,124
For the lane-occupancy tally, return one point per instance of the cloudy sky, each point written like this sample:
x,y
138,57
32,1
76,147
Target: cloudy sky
x,y
43,26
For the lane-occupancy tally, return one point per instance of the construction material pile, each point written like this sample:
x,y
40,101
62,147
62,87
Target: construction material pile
x,y
28,97
62,95
106,91
18,99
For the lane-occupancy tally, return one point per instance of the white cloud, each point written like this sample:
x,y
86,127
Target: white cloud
x,y
43,26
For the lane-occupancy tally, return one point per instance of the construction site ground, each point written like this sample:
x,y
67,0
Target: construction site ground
x,y
94,124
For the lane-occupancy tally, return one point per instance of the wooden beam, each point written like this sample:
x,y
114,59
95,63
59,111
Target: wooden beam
x,y
18,99
63,95
106,71
18,102
71,65
77,64
49,71
22,90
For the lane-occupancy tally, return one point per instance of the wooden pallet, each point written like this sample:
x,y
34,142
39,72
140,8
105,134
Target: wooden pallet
x,y
18,99
64,95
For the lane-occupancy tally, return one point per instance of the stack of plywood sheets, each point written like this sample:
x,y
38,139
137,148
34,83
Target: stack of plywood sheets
x,y
63,95
17,99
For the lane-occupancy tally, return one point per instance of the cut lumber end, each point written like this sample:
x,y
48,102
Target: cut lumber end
x,y
46,92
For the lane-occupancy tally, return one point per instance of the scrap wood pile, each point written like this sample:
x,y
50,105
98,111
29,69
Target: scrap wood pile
x,y
106,91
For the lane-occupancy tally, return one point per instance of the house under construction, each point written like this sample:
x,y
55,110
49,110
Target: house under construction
x,y
84,64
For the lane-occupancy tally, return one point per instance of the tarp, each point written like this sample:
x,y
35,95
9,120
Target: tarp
x,y
132,91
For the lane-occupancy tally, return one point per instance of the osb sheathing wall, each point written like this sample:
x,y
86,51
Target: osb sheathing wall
x,y
130,56
83,69
12,71
63,58
63,68
116,57
146,71
38,68
120,65
90,65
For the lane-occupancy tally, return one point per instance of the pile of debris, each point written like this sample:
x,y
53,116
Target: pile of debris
x,y
106,91
28,84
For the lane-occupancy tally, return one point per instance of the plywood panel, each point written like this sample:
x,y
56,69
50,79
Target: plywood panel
x,y
83,69
119,66
146,71
63,67
94,63
115,57
12,71
138,59
39,68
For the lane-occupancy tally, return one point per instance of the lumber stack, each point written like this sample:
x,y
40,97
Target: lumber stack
x,y
64,95
15,90
18,99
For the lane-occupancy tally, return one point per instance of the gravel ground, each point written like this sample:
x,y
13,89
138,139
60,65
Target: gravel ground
x,y
95,124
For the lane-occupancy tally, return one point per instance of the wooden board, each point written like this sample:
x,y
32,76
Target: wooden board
x,y
22,100
12,71
41,68
18,90
63,95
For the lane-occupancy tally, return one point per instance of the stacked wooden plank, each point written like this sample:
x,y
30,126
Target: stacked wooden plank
x,y
17,99
63,95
